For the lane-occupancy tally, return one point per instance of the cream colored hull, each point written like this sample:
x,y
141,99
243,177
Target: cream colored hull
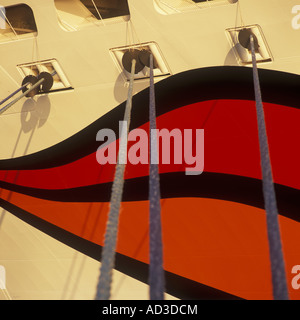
x,y
38,266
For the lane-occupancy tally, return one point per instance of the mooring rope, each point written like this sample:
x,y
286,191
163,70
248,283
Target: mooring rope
x,y
37,84
21,96
156,271
103,291
280,291
14,93
99,14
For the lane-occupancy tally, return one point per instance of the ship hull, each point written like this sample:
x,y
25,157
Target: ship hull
x,y
213,223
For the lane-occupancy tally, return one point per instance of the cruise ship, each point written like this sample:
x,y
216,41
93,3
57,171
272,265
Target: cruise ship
x,y
55,195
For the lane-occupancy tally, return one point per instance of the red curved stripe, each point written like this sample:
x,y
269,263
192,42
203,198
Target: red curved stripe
x,y
231,146
218,243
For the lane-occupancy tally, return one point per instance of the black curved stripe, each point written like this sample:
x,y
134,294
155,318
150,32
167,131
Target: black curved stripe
x,y
176,184
226,82
178,286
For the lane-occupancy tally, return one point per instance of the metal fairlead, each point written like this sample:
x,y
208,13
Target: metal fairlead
x,y
30,80
244,39
132,54
144,57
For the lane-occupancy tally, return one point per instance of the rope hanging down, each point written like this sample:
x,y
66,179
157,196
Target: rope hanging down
x,y
14,93
156,271
21,96
109,249
45,79
280,291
